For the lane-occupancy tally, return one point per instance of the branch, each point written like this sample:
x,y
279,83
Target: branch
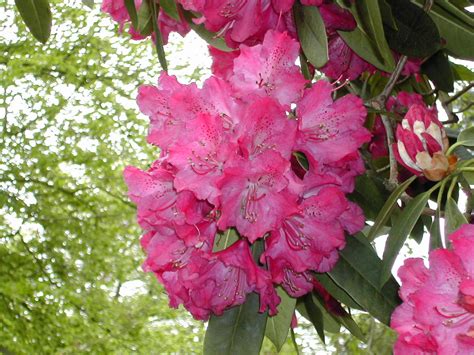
x,y
459,94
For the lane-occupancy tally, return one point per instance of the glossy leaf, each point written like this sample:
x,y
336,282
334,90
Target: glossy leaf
x,y
435,233
225,239
369,195
88,3
315,315
401,228
462,73
171,9
344,319
368,14
37,16
240,330
458,35
160,51
466,137
278,326
417,35
388,207
438,70
201,31
358,273
132,12
337,292
453,217
364,46
312,34
144,19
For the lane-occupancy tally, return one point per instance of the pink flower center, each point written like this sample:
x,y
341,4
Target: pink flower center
x,y
249,207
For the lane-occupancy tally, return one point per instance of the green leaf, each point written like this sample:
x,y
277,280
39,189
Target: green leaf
x,y
454,218
458,35
435,233
361,43
368,12
88,3
345,318
209,37
160,51
358,273
132,12
315,315
438,70
240,330
388,207
171,9
417,35
337,292
462,73
312,34
278,325
37,16
144,19
225,239
387,15
401,227
466,137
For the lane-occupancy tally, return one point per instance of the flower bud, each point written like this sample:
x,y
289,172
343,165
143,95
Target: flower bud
x,y
422,144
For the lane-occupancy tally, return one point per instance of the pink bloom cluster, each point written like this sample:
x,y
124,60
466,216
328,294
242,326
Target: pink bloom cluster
x,y
228,162
118,11
437,314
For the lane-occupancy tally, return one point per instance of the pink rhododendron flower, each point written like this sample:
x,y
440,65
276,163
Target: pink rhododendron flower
x,y
269,69
437,314
253,195
200,158
223,62
329,130
422,144
117,10
264,126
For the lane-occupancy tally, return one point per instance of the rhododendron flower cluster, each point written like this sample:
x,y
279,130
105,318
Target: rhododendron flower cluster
x,y
228,162
437,314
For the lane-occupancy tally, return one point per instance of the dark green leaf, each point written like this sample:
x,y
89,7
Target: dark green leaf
x,y
344,318
171,9
329,324
458,35
132,12
462,73
368,14
225,239
37,17
466,137
417,34
369,195
454,218
160,51
337,292
435,233
312,34
438,70
358,272
88,3
363,45
315,315
387,16
418,231
209,37
401,227
278,325
240,330
144,19
388,207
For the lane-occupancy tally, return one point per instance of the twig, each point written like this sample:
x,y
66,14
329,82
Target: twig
x,y
459,94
